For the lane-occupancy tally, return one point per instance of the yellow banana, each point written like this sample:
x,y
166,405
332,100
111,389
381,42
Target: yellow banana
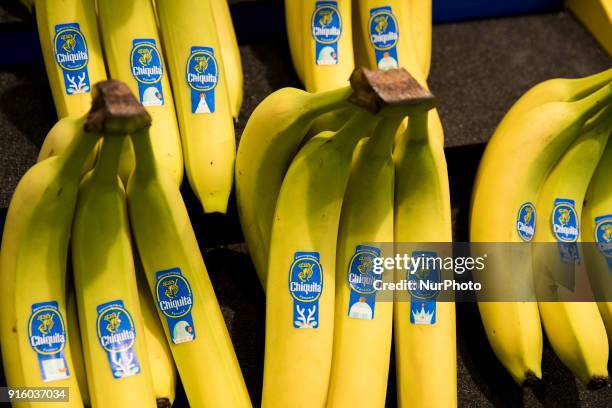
x,y
60,136
134,55
362,325
596,15
177,277
596,227
272,136
230,54
507,184
300,321
328,44
68,33
574,329
293,24
419,23
114,346
425,349
200,90
33,334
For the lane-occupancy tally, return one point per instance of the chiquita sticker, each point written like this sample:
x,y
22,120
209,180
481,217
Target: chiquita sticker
x,y
423,300
362,300
47,335
526,222
603,237
326,25
306,287
202,78
565,228
117,336
72,56
384,36
146,66
175,301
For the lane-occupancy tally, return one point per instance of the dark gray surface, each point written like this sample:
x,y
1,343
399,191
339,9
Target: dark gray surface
x,y
479,69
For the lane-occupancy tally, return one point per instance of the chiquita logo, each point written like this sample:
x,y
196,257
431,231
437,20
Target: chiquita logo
x,y
47,331
175,301
146,66
117,336
202,78
326,27
384,33
565,221
526,222
72,57
423,300
306,287
603,234
361,278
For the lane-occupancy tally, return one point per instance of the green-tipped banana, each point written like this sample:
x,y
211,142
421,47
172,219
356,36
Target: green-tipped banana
x,y
512,171
271,138
362,325
114,346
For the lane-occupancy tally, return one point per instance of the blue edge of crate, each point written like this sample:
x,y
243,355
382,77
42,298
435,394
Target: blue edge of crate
x,y
19,41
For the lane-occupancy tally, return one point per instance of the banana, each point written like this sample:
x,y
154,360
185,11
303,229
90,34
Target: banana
x,y
419,24
200,90
72,53
425,351
60,136
272,136
328,47
177,277
74,338
33,335
574,329
362,325
134,55
163,370
293,25
114,347
300,321
512,170
230,54
596,221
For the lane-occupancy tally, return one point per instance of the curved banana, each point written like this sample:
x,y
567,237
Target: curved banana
x,y
163,370
230,53
574,329
508,182
33,334
68,33
134,55
425,350
177,277
293,25
596,221
200,90
328,44
111,325
271,138
60,136
300,321
362,323
420,22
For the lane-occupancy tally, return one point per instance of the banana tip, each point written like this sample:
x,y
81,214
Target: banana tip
x,y
597,382
163,403
531,380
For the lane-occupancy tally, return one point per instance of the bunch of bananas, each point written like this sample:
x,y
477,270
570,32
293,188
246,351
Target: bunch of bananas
x,y
129,351
531,185
83,41
310,207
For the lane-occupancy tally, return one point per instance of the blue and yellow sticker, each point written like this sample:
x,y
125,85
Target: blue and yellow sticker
x,y
72,56
47,337
384,36
361,278
566,229
202,78
306,287
175,302
326,29
147,70
526,221
117,337
603,237
422,298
